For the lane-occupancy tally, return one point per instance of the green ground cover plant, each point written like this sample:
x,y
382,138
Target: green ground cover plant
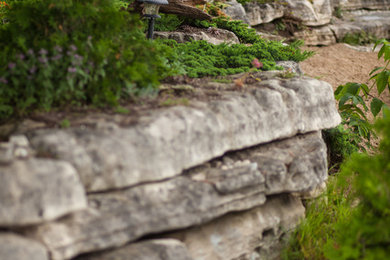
x,y
351,219
59,53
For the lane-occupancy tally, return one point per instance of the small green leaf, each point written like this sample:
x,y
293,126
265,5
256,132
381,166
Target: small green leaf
x,y
382,80
353,88
376,106
375,70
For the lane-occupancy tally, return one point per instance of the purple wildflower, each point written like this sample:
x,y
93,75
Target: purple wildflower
x,y
42,52
72,69
58,48
57,57
11,65
3,80
42,60
73,47
32,70
30,52
21,56
89,37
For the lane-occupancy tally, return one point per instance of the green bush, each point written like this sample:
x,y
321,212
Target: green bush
x,y
365,234
74,52
341,143
351,220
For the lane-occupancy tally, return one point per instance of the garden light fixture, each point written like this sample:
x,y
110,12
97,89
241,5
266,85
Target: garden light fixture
x,y
150,11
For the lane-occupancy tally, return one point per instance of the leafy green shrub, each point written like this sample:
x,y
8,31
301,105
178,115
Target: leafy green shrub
x,y
351,220
359,38
74,52
341,143
353,97
365,234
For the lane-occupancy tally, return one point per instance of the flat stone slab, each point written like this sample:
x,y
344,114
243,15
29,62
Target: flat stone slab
x,y
236,182
33,191
254,234
297,164
157,249
15,247
116,218
170,140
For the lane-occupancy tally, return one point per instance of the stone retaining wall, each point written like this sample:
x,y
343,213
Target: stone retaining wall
x,y
212,180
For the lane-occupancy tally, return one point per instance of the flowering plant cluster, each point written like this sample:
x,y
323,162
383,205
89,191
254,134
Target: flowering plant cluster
x,y
82,53
48,77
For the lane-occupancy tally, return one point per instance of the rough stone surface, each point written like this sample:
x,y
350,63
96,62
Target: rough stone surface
x,y
361,4
118,217
263,13
152,150
236,182
159,249
295,164
290,66
15,247
236,11
36,190
245,235
313,13
214,36
322,35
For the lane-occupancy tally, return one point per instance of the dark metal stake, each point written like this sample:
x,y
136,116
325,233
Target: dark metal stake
x,y
151,27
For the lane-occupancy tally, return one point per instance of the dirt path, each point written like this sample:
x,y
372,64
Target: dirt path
x,y
339,64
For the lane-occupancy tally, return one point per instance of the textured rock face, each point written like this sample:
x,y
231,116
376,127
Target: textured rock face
x,y
159,249
263,13
237,182
362,4
214,36
241,236
236,11
153,149
118,217
313,13
219,174
35,190
14,247
323,35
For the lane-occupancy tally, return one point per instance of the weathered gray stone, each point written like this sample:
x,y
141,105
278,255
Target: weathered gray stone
x,y
295,164
322,35
213,35
263,13
241,235
311,13
292,165
237,182
290,66
14,247
153,149
361,4
158,249
36,190
236,11
371,23
116,218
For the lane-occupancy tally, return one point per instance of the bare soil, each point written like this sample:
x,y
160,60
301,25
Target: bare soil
x,y
339,64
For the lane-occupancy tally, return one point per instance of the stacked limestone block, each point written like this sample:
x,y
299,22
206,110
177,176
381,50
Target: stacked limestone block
x,y
212,180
